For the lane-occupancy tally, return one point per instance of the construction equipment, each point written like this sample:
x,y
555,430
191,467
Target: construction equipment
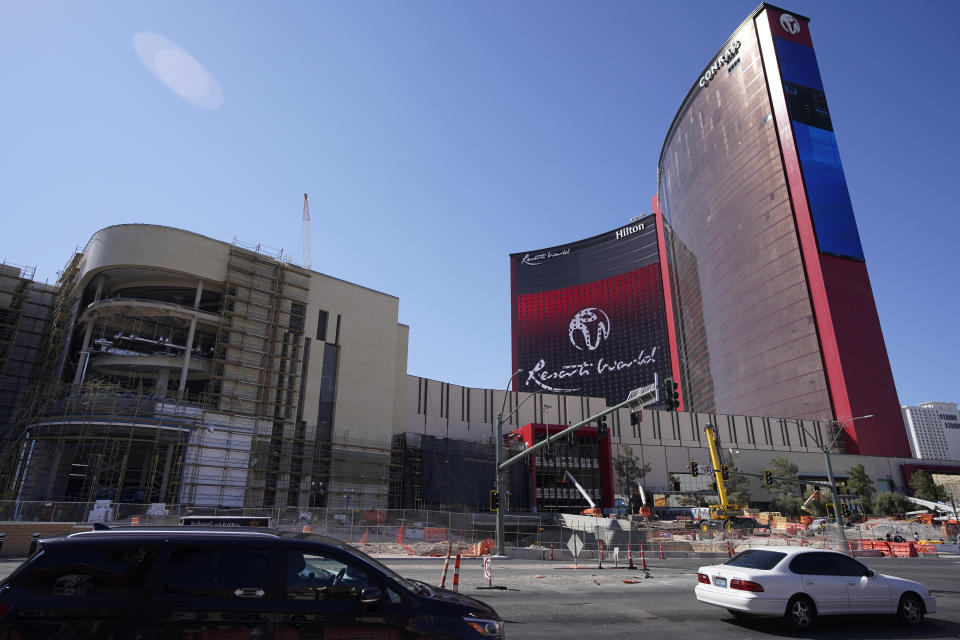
x,y
814,497
944,511
593,510
724,515
305,234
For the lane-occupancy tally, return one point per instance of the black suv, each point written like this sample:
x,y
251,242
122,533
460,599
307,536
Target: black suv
x,y
141,582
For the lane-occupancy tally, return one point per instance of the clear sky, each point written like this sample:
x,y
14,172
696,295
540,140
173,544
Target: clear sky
x,y
435,138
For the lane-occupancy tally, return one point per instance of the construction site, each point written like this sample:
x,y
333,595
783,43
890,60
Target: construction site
x,y
150,385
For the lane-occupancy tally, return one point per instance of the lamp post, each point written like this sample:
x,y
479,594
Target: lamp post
x,y
498,449
844,545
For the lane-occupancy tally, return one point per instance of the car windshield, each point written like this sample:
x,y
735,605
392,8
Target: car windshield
x,y
756,559
408,584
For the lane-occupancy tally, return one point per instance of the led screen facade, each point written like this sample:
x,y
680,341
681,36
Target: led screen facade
x,y
830,206
588,317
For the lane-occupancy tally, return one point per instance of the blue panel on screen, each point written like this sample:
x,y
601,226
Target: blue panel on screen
x,y
798,64
830,204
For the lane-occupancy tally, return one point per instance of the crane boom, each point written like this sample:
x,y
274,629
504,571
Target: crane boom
x,y
582,491
305,233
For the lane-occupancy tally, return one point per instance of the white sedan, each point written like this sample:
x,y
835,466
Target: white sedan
x,y
800,584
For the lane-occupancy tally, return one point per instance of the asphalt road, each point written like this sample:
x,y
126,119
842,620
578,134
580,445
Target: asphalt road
x,y
551,600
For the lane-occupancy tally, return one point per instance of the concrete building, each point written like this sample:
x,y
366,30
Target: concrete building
x,y
934,430
184,369
667,441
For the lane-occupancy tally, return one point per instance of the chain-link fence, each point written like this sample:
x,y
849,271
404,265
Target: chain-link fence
x,y
421,532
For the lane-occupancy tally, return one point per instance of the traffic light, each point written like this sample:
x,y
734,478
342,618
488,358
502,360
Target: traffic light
x,y
635,418
845,510
694,468
602,427
831,512
725,472
669,394
494,500
767,478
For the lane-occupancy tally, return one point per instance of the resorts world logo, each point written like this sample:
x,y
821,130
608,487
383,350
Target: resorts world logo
x,y
790,24
589,327
540,258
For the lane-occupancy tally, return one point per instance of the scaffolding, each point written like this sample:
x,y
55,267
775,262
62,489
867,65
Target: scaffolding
x,y
258,366
24,305
100,421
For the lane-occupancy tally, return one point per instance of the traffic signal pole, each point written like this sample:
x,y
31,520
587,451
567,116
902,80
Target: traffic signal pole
x,y
844,545
636,400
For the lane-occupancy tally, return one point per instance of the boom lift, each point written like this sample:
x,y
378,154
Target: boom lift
x,y
593,510
944,510
814,497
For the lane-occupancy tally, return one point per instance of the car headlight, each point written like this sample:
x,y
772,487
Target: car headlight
x,y
486,628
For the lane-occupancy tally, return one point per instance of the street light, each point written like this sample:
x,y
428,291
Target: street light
x,y
498,449
844,545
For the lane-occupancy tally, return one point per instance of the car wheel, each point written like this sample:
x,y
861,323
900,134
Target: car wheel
x,y
800,612
910,610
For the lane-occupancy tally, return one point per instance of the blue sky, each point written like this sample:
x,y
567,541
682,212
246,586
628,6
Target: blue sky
x,y
435,138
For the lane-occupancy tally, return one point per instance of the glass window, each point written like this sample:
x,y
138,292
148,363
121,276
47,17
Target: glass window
x,y
847,566
310,576
322,326
78,571
216,572
756,559
819,564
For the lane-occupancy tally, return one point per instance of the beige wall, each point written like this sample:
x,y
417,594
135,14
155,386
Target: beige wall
x,y
373,348
148,245
666,440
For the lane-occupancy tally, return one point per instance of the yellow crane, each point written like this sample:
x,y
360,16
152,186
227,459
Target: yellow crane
x,y
721,473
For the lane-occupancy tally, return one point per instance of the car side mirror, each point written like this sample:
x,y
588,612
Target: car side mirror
x,y
371,595
871,573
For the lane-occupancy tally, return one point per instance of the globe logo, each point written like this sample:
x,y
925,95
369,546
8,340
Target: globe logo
x,y
588,328
790,24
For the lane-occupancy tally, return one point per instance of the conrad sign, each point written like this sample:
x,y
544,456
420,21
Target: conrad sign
x,y
720,63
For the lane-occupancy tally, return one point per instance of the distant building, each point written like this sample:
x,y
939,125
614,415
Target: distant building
x,y
934,430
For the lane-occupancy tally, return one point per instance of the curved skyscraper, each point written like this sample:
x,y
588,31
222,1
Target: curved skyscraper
x,y
769,304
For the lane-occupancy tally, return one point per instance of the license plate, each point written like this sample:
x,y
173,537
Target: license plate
x,y
720,582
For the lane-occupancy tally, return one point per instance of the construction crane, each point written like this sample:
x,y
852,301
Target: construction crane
x,y
724,515
305,233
